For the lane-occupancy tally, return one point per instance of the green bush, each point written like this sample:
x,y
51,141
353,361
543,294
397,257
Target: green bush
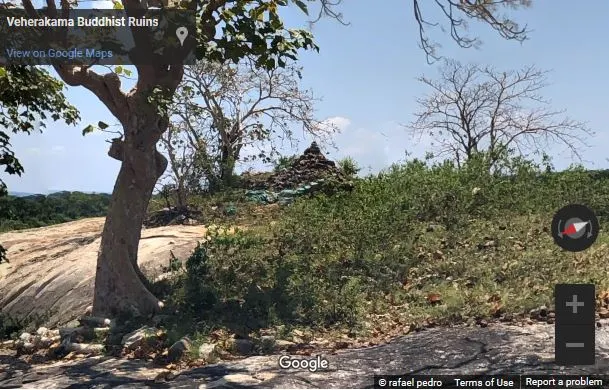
x,y
284,162
349,166
330,260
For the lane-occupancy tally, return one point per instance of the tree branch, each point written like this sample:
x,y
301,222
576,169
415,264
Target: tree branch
x,y
473,110
455,14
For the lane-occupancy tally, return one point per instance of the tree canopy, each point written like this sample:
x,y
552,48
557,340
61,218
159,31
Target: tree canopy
x,y
474,109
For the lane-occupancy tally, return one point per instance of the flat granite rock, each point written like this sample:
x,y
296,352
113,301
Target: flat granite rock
x,y
52,269
496,349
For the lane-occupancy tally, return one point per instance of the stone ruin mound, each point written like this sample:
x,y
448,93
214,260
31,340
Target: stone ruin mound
x,y
311,167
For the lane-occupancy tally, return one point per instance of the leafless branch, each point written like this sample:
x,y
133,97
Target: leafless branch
x,y
327,9
473,109
456,13
231,110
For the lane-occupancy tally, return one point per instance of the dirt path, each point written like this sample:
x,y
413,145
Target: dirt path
x,y
496,349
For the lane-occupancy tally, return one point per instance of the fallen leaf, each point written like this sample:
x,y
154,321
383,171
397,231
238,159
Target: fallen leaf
x,y
434,298
604,296
497,309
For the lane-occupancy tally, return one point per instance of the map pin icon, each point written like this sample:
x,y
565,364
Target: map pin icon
x,y
181,33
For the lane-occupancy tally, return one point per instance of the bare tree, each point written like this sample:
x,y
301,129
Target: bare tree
x,y
226,113
473,109
181,161
458,12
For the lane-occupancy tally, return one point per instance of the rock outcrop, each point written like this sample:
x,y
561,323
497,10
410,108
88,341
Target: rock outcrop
x,y
52,269
496,349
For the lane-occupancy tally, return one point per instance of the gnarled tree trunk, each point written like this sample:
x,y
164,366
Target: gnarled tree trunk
x,y
120,286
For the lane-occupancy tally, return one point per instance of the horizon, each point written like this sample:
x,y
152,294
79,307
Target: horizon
x,y
156,192
368,88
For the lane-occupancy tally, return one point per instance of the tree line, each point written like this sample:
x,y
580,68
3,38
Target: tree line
x,y
41,210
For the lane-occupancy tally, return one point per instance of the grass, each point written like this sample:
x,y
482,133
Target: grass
x,y
416,244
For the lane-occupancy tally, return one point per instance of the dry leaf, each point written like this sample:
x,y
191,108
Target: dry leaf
x,y
496,309
434,298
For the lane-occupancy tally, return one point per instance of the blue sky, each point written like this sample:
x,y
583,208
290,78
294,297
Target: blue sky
x,y
366,74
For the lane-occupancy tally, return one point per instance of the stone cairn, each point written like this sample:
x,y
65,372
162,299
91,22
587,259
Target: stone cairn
x,y
311,166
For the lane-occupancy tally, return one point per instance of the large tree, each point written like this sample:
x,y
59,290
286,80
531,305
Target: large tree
x,y
248,28
228,30
225,112
473,109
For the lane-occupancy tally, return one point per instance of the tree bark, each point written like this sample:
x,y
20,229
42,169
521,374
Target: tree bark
x,y
181,196
120,286
227,169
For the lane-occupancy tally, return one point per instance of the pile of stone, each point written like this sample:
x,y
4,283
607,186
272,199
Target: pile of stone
x,y
95,336
312,172
28,343
82,339
311,166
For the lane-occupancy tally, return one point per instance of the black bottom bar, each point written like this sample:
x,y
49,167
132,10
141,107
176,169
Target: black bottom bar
x,y
491,381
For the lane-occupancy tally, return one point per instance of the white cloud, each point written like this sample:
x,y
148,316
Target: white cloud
x,y
46,151
378,148
34,151
337,123
57,149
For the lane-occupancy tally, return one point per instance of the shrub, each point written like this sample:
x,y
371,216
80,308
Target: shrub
x,y
349,166
331,259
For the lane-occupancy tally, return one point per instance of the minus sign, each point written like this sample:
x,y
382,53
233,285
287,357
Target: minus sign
x,y
574,345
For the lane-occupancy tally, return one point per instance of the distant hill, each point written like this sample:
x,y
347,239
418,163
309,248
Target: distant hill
x,y
23,211
20,194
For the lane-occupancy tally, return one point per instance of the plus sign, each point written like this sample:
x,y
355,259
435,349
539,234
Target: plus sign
x,y
574,304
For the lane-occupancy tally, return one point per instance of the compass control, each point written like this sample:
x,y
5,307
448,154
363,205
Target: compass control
x,y
575,228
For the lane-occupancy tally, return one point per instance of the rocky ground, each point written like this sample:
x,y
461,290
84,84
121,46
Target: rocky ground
x,y
52,269
494,349
51,272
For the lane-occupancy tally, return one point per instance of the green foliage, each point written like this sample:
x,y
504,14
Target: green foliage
x,y
349,166
252,28
39,210
464,234
10,326
284,162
